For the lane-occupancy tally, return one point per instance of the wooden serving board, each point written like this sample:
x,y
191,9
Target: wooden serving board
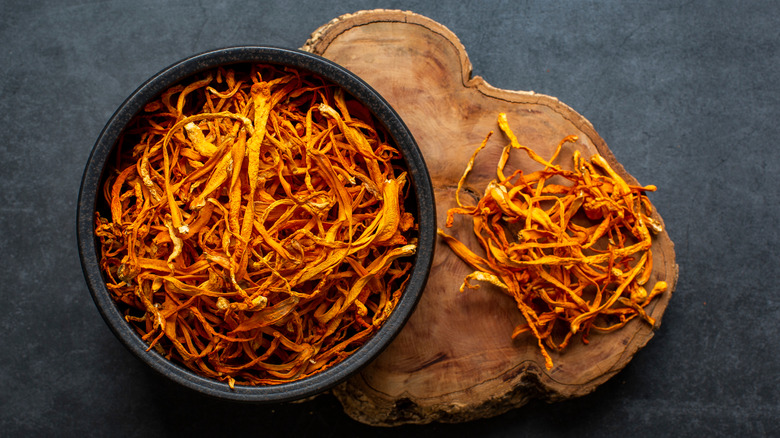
x,y
455,359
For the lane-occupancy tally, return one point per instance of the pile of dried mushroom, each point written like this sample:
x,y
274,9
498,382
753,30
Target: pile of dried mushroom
x,y
257,230
572,247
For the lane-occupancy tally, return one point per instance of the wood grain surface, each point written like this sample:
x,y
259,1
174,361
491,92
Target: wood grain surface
x,y
455,360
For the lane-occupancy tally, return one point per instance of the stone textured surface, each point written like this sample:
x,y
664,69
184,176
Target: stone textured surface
x,y
687,96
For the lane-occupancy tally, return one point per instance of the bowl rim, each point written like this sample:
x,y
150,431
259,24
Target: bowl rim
x,y
97,163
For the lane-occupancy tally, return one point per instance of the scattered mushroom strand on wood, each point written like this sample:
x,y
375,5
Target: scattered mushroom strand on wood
x,y
551,245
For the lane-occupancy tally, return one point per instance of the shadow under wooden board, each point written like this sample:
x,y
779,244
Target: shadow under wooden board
x,y
455,359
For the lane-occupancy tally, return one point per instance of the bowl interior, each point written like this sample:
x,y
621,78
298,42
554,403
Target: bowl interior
x,y
420,202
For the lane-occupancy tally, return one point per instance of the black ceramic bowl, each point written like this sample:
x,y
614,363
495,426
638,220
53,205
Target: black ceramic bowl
x,y
421,200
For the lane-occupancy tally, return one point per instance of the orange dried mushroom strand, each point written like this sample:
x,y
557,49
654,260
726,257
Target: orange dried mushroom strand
x,y
574,256
258,233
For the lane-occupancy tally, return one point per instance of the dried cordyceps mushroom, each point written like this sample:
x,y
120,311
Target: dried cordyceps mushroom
x,y
258,232
574,256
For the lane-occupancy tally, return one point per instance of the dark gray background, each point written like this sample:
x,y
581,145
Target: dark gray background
x,y
685,93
